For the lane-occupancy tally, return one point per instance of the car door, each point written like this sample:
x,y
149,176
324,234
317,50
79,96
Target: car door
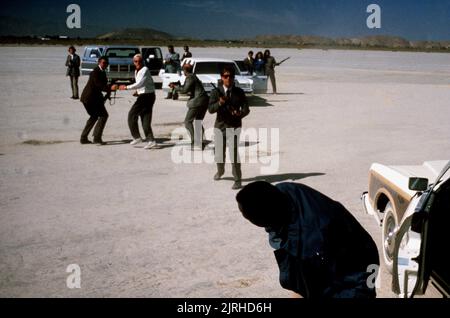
x,y
421,242
259,84
89,60
153,59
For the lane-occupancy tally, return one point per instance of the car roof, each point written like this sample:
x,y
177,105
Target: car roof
x,y
192,60
113,46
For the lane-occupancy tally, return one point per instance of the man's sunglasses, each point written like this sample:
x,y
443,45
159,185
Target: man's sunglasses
x,y
227,76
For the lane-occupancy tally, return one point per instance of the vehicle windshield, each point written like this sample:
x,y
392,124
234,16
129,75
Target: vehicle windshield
x,y
213,67
444,175
122,52
157,53
240,64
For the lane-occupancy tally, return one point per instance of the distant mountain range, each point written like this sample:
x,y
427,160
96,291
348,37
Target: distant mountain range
x,y
17,27
136,34
378,41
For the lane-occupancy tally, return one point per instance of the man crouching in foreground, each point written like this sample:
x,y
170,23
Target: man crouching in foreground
x,y
321,249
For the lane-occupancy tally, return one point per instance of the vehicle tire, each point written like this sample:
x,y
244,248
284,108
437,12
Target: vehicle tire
x,y
390,224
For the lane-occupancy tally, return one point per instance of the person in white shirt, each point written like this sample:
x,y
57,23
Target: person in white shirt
x,y
143,107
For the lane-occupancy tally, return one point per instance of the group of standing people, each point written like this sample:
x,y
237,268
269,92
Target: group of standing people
x,y
320,248
262,64
227,101
93,99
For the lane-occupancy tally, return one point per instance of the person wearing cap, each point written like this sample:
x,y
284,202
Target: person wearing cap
x,y
321,249
197,105
73,70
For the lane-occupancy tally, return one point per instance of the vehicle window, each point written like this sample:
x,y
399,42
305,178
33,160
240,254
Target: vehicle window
x,y
121,52
240,64
213,67
157,53
96,52
88,52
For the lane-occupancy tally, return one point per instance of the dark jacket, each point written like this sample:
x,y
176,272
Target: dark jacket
x,y
197,94
97,83
248,63
324,251
237,101
73,65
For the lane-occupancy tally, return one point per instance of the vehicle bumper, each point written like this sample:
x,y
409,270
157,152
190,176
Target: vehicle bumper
x,y
368,207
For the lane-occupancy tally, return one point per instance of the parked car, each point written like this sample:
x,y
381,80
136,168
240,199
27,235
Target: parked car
x,y
414,215
121,67
261,80
208,71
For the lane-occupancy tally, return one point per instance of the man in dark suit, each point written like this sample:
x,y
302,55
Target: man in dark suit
x,y
197,104
230,104
248,62
321,249
73,70
94,102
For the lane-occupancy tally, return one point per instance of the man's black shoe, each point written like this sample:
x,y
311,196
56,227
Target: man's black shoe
x,y
217,176
85,141
237,185
99,142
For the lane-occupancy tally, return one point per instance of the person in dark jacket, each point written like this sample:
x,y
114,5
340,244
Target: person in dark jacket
x,y
73,70
248,62
94,102
269,64
230,104
197,105
321,249
186,53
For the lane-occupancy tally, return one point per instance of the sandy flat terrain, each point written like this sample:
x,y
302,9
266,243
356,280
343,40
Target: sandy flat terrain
x,y
140,225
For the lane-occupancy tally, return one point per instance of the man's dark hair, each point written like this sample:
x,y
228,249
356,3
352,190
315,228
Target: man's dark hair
x,y
186,47
263,204
266,52
228,69
250,52
72,48
103,57
170,47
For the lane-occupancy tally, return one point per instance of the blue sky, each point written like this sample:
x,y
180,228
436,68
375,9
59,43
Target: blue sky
x,y
413,19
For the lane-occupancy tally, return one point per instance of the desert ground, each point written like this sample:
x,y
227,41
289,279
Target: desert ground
x,y
139,224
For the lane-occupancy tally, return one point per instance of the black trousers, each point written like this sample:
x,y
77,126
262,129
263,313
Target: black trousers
x,y
99,115
74,85
197,114
143,107
221,140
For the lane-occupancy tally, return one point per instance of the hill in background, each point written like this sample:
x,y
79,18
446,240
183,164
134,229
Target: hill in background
x,y
144,34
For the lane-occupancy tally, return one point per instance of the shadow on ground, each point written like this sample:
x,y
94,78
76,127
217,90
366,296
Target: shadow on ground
x,y
257,101
280,177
